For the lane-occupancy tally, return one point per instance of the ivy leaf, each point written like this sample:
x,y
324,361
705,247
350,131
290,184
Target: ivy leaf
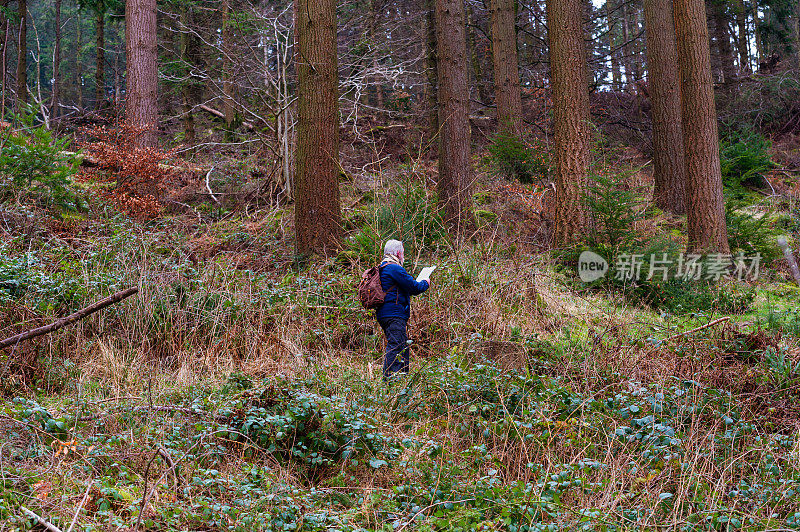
x,y
376,463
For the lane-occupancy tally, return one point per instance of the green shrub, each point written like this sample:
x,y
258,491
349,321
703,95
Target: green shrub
x,y
613,212
679,296
409,215
33,162
511,157
751,236
744,158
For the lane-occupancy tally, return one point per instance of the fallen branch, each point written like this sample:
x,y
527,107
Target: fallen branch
x,y
91,162
208,185
80,506
62,322
690,331
219,114
47,524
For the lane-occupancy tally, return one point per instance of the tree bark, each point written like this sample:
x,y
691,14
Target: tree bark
x,y
228,106
722,41
475,59
78,63
22,55
669,166
3,59
627,47
569,81
100,71
318,217
616,75
431,68
142,74
66,320
706,205
455,169
187,89
757,34
742,38
506,71
54,109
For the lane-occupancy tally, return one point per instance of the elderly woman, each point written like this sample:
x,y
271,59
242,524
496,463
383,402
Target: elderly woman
x,y
393,315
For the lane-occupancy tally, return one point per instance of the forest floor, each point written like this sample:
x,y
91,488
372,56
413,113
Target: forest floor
x,y
241,389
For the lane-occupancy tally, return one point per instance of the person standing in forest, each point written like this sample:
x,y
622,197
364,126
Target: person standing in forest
x,y
395,311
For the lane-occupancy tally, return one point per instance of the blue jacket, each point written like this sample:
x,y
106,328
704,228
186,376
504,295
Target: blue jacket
x,y
399,287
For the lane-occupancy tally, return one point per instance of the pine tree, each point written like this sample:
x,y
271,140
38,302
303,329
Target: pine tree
x,y
706,205
569,80
142,74
669,167
455,168
506,72
318,218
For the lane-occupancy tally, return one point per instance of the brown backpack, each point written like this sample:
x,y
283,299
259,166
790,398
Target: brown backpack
x,y
370,290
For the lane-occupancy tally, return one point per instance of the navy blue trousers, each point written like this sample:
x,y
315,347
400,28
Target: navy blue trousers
x,y
396,358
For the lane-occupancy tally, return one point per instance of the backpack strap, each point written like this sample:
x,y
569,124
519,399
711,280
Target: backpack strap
x,y
393,285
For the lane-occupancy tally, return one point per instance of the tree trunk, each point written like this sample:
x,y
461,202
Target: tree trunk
x,y
142,75
431,68
506,71
186,88
706,205
54,110
669,166
3,59
634,52
100,72
374,89
795,22
22,55
318,217
722,40
475,59
627,48
455,169
757,34
228,89
742,38
613,54
569,81
78,63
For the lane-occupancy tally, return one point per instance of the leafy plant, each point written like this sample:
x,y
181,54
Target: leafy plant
x,y
750,235
511,157
410,215
744,158
133,176
33,162
613,212
783,371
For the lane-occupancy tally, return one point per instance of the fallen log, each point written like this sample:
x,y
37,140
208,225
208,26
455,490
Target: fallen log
x,y
63,322
91,162
219,114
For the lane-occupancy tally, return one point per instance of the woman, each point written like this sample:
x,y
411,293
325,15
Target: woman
x,y
393,315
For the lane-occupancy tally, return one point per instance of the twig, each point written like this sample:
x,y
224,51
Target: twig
x,y
157,408
690,331
62,322
47,524
219,114
208,185
145,491
80,506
